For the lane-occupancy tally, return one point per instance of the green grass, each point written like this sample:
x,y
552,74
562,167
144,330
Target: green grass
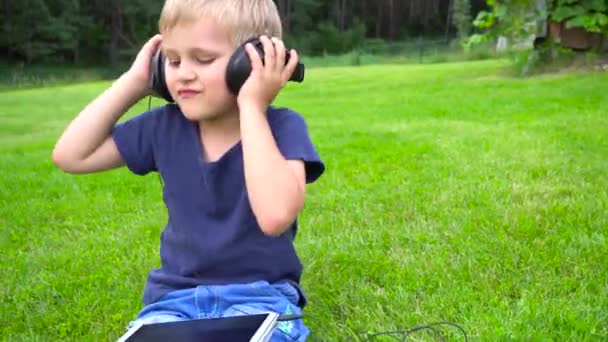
x,y
19,76
14,76
452,193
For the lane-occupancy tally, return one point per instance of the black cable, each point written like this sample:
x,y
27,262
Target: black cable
x,y
160,178
405,333
289,318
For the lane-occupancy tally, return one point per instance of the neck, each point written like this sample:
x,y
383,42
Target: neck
x,y
227,125
219,134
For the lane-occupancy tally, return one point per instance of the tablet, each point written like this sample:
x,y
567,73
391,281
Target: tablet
x,y
254,328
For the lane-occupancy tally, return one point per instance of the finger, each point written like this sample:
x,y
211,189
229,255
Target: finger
x,y
280,53
269,53
145,55
291,66
151,46
154,42
256,61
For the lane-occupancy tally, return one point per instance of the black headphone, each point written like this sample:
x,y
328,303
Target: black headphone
x,y
237,71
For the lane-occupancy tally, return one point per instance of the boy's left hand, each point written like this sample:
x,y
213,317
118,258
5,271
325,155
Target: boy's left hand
x,y
268,78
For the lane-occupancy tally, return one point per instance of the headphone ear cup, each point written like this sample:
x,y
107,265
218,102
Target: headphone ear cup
x,y
157,78
239,65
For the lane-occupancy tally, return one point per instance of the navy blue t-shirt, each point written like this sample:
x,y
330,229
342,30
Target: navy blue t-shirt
x,y
212,236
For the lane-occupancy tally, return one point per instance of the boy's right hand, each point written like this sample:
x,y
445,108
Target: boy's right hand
x,y
139,72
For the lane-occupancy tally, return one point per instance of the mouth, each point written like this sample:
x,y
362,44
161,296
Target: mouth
x,y
186,93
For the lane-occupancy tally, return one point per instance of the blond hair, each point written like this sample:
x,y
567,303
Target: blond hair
x,y
242,19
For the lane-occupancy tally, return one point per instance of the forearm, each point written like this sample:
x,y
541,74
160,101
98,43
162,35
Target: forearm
x,y
274,192
95,122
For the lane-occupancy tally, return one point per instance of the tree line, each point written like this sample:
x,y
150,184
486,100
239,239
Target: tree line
x,y
111,31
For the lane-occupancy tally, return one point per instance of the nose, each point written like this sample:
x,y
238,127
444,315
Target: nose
x,y
185,72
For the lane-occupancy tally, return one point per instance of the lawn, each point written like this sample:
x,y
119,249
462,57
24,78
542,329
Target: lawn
x,y
453,192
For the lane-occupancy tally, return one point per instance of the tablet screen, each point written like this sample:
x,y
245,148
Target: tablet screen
x,y
233,329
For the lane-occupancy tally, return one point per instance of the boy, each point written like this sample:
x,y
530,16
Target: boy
x,y
234,168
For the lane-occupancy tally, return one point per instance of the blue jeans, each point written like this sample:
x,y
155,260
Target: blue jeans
x,y
213,301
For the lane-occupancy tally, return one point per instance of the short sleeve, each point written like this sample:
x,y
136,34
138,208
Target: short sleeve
x,y
293,140
135,138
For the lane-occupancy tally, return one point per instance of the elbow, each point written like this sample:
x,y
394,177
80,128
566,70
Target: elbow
x,y
62,161
278,216
58,158
276,222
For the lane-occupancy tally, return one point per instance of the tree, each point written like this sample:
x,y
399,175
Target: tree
x,y
111,31
591,15
462,18
512,19
517,19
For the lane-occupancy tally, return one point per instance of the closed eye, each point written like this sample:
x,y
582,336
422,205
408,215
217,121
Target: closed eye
x,y
205,60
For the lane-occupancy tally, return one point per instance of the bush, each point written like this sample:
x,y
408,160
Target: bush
x,y
328,40
546,57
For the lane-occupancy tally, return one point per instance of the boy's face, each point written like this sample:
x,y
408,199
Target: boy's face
x,y
196,58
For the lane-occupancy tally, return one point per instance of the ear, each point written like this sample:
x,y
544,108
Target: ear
x,y
157,76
